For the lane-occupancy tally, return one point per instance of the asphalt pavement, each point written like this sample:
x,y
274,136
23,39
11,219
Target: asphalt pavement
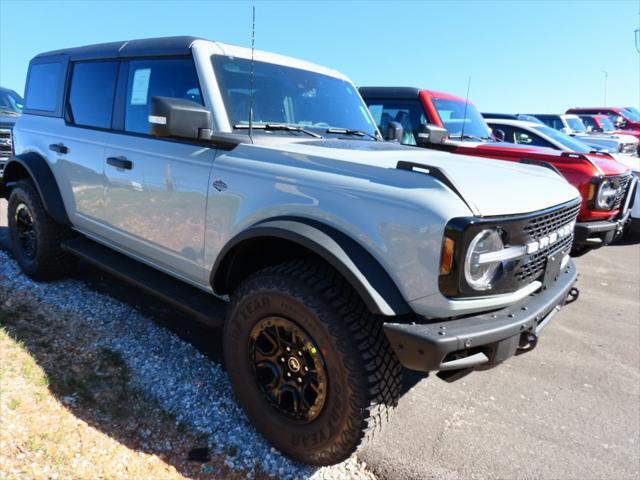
x,y
568,409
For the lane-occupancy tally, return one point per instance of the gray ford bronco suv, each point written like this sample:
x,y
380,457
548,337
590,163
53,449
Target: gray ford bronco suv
x,y
257,195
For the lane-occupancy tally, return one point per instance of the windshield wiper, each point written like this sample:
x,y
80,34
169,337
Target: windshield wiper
x,y
278,126
355,133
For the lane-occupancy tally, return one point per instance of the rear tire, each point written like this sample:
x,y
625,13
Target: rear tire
x,y
35,236
362,377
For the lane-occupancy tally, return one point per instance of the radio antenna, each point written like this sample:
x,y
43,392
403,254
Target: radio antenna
x,y
253,43
466,103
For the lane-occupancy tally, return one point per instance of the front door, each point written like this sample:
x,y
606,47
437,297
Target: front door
x,y
156,195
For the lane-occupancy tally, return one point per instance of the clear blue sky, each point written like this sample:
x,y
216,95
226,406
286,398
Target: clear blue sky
x,y
522,56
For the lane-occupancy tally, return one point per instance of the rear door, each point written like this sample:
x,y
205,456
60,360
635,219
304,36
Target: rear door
x,y
80,141
156,193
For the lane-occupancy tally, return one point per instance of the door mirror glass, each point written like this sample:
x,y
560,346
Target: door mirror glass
x,y
179,118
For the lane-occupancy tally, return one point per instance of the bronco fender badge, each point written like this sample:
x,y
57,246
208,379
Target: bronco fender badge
x,y
219,185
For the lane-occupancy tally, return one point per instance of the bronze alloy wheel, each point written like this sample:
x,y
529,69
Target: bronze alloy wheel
x,y
289,368
26,231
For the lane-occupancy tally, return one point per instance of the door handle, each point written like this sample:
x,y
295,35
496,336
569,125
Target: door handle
x,y
120,162
59,148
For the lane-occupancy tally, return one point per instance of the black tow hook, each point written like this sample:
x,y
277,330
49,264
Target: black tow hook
x,y
528,341
572,296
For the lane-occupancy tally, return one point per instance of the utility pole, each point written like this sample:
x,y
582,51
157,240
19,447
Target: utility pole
x,y
606,78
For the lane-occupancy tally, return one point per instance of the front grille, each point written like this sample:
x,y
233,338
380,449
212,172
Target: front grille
x,y
532,266
621,191
5,144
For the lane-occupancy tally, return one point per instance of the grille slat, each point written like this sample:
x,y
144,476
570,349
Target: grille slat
x,y
621,190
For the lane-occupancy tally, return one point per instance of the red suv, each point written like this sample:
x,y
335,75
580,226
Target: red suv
x,y
419,117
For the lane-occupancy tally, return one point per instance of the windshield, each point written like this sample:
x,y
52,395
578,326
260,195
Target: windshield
x,y
289,96
452,114
10,101
576,124
569,142
632,115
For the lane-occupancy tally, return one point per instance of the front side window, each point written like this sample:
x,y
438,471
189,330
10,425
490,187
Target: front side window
x,y
176,78
93,86
576,124
10,101
589,122
289,96
408,113
43,86
606,124
524,137
462,120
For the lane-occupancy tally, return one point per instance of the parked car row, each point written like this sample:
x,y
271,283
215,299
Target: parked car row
x,y
606,181
219,178
10,108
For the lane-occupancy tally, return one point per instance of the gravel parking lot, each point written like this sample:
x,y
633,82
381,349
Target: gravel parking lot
x,y
570,409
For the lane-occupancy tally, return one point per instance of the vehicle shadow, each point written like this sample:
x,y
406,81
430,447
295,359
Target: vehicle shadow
x,y
204,338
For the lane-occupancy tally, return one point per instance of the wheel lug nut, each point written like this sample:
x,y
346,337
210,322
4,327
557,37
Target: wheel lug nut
x,y
306,369
299,380
288,349
299,353
288,374
282,359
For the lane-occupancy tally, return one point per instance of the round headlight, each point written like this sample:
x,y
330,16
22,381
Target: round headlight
x,y
606,197
480,275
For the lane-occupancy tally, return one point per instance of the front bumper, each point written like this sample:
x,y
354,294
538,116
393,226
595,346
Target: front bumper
x,y
480,341
596,234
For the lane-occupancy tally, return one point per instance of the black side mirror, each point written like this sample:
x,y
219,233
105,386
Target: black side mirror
x,y
430,134
394,131
499,135
176,117
597,129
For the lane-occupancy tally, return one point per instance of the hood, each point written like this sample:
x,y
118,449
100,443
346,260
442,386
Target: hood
x,y
493,187
609,165
632,163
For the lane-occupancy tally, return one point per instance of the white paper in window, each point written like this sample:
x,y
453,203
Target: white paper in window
x,y
140,87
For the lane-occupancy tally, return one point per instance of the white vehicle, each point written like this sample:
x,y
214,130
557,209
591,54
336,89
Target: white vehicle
x,y
206,174
530,133
573,125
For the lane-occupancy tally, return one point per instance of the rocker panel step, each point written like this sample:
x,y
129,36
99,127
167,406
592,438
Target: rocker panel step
x,y
203,306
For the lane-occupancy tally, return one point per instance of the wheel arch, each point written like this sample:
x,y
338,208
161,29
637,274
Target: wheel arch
x,y
33,166
279,240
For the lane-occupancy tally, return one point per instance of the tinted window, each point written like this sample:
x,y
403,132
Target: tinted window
x,y
524,137
408,113
42,90
93,86
157,78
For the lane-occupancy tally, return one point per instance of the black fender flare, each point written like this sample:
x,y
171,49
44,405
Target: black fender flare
x,y
361,270
44,180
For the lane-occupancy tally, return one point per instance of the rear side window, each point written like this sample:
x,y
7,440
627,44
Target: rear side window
x,y
93,86
43,87
175,78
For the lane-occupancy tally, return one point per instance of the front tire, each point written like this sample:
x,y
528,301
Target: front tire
x,y
300,325
35,236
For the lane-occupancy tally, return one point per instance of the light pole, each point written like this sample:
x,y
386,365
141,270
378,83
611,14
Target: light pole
x,y
606,78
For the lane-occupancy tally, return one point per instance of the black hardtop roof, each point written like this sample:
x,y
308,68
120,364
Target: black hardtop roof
x,y
389,92
163,46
